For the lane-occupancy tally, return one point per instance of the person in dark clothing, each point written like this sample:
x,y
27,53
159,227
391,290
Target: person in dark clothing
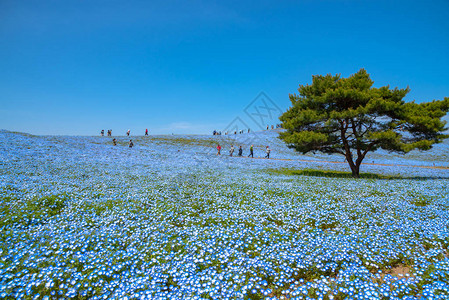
x,y
102,132
146,131
251,153
131,144
240,151
114,142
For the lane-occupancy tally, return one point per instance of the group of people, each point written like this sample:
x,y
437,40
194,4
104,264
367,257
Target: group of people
x,y
231,151
109,132
128,132
240,153
215,132
130,144
272,126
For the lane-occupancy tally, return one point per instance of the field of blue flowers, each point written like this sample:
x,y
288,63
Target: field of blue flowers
x,y
168,219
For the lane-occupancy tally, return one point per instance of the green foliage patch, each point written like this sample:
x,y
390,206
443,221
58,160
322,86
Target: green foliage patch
x,y
329,173
37,210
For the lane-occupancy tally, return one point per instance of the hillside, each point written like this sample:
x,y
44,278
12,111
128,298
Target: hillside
x,y
168,219
186,151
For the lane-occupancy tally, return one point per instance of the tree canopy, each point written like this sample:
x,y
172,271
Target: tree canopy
x,y
349,116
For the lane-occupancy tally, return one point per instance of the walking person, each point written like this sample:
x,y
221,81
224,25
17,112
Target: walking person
x,y
128,132
268,152
240,151
102,132
218,149
146,131
131,144
251,152
231,151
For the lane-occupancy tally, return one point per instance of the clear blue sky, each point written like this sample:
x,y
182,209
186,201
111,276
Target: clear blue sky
x,y
76,67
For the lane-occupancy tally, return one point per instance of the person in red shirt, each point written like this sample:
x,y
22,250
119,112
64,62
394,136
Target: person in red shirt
x,y
218,149
146,131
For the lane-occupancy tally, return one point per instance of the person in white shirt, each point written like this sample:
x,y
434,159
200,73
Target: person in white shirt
x,y
268,152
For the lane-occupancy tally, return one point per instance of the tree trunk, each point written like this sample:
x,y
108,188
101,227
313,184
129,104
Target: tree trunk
x,y
355,167
358,162
356,170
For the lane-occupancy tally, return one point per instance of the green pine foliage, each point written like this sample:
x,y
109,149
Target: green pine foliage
x,y
351,117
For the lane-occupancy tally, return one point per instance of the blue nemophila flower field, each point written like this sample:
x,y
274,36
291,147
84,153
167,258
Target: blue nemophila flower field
x,y
168,219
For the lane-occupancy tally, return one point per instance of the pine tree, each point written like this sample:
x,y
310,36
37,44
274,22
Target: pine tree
x,y
349,116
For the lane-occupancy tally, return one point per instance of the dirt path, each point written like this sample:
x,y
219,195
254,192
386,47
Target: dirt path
x,y
342,162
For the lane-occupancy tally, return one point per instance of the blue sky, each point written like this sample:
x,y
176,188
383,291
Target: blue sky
x,y
76,67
